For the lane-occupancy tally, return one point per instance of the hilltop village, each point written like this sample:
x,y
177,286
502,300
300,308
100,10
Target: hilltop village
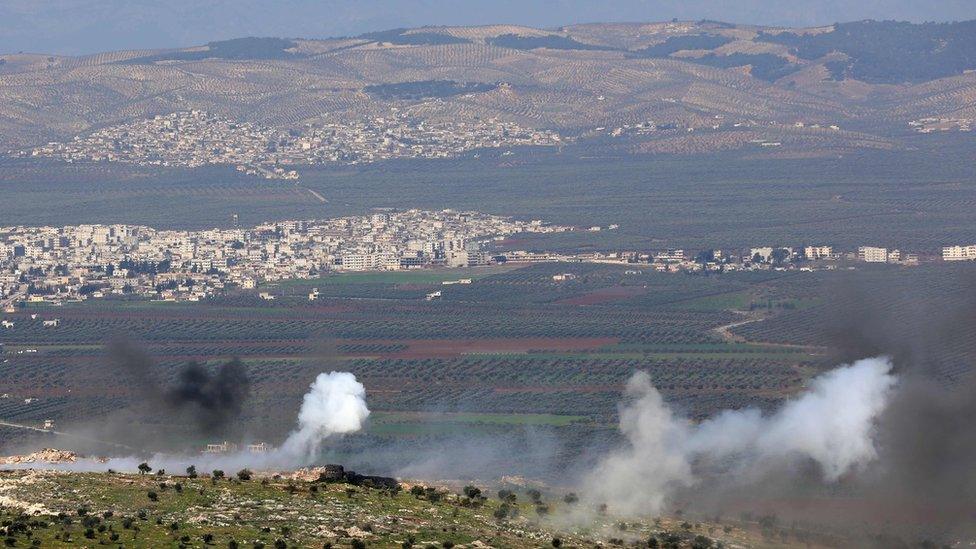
x,y
197,138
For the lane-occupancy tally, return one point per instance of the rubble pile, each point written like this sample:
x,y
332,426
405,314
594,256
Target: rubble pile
x,y
47,455
337,473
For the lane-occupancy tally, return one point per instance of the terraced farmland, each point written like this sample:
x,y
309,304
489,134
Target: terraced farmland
x,y
513,359
511,342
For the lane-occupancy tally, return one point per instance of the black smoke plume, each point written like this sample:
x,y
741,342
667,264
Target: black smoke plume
x,y
215,399
922,483
927,437
210,401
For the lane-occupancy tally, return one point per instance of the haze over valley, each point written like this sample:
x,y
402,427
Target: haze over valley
x,y
531,281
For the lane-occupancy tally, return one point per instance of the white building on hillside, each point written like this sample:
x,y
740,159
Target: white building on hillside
x,y
959,253
870,254
818,252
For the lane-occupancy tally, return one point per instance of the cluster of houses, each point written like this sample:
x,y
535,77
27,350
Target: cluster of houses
x,y
805,258
71,263
717,122
197,138
945,124
57,264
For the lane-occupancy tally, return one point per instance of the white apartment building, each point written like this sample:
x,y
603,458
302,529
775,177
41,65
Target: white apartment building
x,y
457,258
670,255
818,252
959,253
871,254
369,261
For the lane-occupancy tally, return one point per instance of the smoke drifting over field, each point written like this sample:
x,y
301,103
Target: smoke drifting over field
x,y
894,434
215,399
927,436
832,425
887,430
211,401
335,405
200,401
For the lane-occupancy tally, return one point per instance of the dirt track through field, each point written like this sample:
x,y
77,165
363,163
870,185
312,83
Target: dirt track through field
x,y
725,331
318,196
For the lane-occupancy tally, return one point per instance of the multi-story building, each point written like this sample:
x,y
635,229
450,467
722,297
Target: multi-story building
x,y
818,252
959,253
871,254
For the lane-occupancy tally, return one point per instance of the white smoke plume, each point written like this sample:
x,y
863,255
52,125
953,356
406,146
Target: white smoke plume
x,y
334,405
832,424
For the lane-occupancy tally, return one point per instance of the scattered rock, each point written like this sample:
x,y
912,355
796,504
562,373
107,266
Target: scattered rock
x,y
47,455
337,473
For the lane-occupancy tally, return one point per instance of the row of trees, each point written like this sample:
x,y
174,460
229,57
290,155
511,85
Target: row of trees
x,y
191,472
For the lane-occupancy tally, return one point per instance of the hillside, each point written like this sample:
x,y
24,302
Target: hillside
x,y
296,509
658,87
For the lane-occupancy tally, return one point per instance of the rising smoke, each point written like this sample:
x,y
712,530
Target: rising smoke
x,y
832,425
210,402
927,436
892,430
213,399
893,438
334,405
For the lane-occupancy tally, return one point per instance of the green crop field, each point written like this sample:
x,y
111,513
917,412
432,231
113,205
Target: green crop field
x,y
729,300
475,418
398,277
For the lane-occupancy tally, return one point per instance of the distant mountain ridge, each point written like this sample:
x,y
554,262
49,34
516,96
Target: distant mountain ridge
x,y
713,78
85,27
250,48
884,52
889,52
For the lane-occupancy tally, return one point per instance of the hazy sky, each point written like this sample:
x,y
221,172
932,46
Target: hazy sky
x,y
87,26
